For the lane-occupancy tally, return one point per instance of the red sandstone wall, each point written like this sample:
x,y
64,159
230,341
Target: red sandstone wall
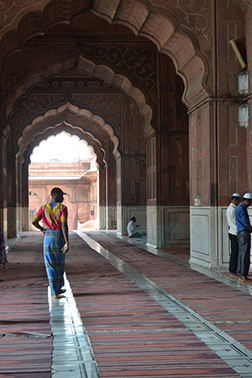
x,y
173,151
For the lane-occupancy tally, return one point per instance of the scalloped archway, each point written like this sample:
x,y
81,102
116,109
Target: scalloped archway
x,y
70,118
144,19
95,71
83,124
69,130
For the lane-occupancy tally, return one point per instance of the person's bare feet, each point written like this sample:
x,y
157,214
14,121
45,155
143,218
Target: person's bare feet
x,y
244,279
54,296
233,274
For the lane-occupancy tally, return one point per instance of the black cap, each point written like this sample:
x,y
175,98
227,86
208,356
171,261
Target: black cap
x,y
56,191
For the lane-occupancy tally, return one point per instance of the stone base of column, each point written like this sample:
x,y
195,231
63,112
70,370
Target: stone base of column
x,y
111,218
168,226
102,218
209,237
25,218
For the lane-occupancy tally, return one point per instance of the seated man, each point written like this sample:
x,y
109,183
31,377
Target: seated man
x,y
130,229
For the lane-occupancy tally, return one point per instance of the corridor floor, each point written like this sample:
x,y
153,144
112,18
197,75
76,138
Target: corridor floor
x,y
127,312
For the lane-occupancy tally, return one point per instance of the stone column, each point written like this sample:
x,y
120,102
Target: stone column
x,y
153,211
203,185
249,98
218,151
218,168
25,197
111,197
119,195
102,211
19,193
11,195
122,174
131,191
3,186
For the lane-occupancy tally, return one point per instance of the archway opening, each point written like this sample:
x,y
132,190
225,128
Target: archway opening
x,y
110,90
69,163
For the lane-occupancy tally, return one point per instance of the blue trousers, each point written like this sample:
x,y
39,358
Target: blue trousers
x,y
243,238
54,259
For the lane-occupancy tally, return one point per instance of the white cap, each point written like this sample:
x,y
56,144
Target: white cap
x,y
248,196
236,195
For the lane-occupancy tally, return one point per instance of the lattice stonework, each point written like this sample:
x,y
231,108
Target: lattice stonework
x,y
139,64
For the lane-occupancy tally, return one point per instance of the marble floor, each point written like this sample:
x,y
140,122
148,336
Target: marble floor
x,y
128,311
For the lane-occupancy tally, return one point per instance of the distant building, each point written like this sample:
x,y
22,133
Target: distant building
x,y
77,179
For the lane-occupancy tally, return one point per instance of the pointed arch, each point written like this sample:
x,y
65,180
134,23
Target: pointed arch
x,y
144,19
96,71
69,130
70,118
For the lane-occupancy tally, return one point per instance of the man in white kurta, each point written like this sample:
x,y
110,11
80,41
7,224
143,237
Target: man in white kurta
x,y
232,233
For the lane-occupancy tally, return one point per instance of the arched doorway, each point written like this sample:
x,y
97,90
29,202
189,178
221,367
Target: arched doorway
x,y
32,99
103,152
174,127
169,38
67,162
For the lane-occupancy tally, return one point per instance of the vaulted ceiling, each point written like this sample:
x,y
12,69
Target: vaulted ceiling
x,y
179,29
